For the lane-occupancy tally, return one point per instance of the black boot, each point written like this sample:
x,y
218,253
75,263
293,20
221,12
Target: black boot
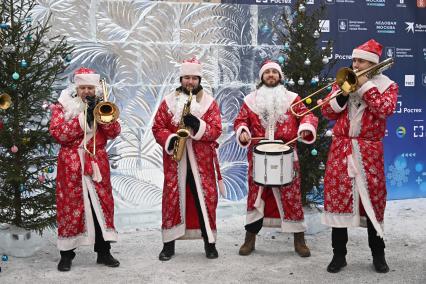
x,y
380,264
211,251
337,263
66,260
107,259
167,252
339,239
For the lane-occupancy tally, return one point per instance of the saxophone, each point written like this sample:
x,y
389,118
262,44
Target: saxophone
x,y
182,132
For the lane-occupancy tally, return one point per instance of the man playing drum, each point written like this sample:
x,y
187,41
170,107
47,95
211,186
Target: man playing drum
x,y
266,113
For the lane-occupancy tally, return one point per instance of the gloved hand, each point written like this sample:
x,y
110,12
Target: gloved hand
x,y
192,121
91,104
172,143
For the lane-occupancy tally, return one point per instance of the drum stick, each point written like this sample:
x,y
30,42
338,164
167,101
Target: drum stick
x,y
257,138
293,140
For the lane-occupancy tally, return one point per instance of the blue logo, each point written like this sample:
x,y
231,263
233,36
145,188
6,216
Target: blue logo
x,y
401,131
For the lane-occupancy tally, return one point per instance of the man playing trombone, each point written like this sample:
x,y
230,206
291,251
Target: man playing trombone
x,y
85,205
187,125
266,113
354,184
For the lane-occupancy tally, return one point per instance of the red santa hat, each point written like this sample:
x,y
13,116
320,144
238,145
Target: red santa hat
x,y
191,67
86,76
370,51
268,64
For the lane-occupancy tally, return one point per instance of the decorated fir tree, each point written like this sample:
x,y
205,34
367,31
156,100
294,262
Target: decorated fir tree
x,y
307,65
31,62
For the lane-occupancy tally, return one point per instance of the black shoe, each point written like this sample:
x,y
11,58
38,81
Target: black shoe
x,y
337,263
167,252
65,262
380,264
211,251
107,259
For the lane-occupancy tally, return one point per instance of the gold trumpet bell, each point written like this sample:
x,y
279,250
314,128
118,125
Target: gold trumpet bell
x,y
5,101
347,80
106,112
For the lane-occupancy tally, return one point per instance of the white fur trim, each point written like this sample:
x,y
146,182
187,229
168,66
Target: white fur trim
x,y
369,56
201,130
72,104
255,215
238,133
190,68
174,233
194,234
82,121
366,86
293,226
197,109
200,193
308,127
87,79
270,65
335,105
167,144
340,220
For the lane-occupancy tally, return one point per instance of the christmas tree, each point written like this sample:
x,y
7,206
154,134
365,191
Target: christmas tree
x,y
31,63
307,66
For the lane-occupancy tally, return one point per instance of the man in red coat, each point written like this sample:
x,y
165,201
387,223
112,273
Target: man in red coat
x,y
190,185
266,113
354,184
85,205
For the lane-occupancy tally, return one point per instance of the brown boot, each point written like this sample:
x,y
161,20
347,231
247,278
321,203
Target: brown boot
x,y
300,246
248,245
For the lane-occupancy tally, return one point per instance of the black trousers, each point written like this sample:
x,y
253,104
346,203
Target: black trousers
x,y
339,239
101,246
193,189
254,227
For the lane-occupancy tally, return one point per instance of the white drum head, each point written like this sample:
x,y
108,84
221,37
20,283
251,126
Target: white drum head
x,y
272,147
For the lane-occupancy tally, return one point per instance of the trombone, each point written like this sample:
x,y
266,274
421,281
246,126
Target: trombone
x,y
347,80
5,101
104,113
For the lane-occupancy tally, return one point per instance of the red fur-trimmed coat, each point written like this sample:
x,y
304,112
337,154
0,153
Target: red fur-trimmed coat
x,y
179,217
74,216
279,206
354,183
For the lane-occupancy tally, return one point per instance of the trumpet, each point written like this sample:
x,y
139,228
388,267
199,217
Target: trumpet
x,y
104,113
5,101
182,132
347,80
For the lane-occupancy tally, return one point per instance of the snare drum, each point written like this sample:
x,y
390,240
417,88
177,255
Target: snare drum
x,y
273,163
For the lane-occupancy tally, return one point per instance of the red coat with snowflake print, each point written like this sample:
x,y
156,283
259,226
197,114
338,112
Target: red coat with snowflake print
x,y
179,218
279,206
354,184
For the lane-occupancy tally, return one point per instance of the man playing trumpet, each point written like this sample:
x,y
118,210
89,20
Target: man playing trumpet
x,y
85,205
354,184
190,191
266,112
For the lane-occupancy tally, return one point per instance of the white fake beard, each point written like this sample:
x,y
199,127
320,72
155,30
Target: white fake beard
x,y
73,106
271,104
180,101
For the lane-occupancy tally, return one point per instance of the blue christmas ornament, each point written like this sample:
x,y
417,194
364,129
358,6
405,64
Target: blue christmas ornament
x,y
29,38
68,58
21,188
15,76
314,82
50,169
281,59
24,63
314,152
28,20
329,88
4,26
4,257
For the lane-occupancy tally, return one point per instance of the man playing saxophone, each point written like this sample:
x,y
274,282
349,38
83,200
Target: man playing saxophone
x,y
190,184
354,184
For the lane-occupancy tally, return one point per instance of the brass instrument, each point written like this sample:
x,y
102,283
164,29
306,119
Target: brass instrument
x,y
347,80
5,101
105,112
182,132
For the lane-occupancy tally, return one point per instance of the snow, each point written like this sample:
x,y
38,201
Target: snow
x,y
274,260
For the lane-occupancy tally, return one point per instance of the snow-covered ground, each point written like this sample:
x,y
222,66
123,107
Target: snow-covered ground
x,y
274,260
